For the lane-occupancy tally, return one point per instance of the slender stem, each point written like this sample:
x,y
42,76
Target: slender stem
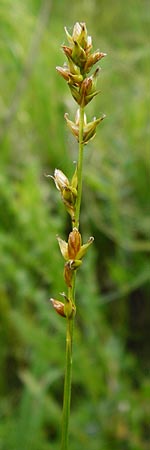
x,y
80,164
67,384
71,296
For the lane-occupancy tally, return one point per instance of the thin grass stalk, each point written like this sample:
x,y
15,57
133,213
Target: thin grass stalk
x,y
67,384
83,90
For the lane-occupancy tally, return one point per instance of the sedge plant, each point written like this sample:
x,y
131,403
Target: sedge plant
x,y
82,85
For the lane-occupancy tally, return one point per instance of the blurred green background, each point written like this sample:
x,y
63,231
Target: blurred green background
x,y
111,366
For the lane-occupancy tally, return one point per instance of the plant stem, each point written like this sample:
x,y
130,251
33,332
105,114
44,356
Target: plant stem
x,y
79,168
67,384
71,296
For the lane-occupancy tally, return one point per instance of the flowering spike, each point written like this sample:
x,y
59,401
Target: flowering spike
x,y
80,61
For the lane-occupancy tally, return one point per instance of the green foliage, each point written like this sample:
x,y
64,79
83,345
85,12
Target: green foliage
x,y
110,369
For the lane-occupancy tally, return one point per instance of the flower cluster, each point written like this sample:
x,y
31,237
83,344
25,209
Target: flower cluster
x,y
80,60
72,251
68,190
89,129
75,72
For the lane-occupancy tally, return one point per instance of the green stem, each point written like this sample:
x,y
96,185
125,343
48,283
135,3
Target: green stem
x,y
71,296
67,385
79,169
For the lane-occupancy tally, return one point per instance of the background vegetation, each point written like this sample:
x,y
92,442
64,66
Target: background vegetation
x,y
111,383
